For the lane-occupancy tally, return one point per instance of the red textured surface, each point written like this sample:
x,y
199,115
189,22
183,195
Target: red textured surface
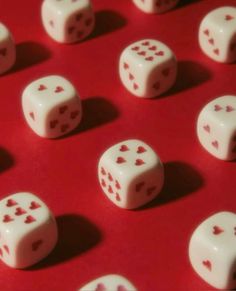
x,y
149,245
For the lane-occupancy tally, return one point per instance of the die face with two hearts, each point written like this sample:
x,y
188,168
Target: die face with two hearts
x,y
130,174
67,21
217,34
155,6
51,106
216,127
212,250
28,230
147,68
7,49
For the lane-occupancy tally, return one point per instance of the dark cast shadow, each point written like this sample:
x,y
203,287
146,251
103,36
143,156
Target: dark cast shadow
x,y
7,160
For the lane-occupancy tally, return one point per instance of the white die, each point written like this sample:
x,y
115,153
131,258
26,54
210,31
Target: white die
x,y
7,49
67,21
109,282
155,6
217,34
147,68
51,106
28,230
216,127
130,174
212,250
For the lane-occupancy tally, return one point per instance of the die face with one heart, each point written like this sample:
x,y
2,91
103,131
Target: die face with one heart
x,y
7,49
51,106
155,6
130,174
212,250
109,282
67,21
28,230
147,68
217,34
216,127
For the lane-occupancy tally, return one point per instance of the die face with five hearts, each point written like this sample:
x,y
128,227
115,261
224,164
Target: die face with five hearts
x,y
155,6
217,34
7,49
67,21
51,106
28,230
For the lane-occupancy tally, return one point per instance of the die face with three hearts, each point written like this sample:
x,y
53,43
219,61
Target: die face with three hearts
x,y
67,21
51,106
216,127
155,6
130,174
109,282
217,34
212,250
7,49
28,230
147,68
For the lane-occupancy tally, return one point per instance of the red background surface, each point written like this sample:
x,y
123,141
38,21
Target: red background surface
x,y
149,245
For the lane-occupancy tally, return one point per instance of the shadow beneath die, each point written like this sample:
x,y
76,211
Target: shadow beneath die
x,y
181,180
187,2
28,54
190,74
6,159
76,235
107,21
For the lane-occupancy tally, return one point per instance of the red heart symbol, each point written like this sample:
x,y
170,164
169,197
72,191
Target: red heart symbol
x,y
64,127
110,190
136,48
156,85
7,218
120,160
19,211
215,144
217,230
211,41
88,21
103,183
207,264
126,66
152,48
228,17
141,150
42,88
217,108
131,77
74,114
146,43
29,219
34,205
118,197
216,51
11,202
80,34
139,162
31,114
151,190
135,86
59,89
63,109
71,29
160,53
206,32
103,172
139,186
229,108
117,185
143,53
100,287
1,253
6,248
36,244
3,52
166,72
121,288
124,148
110,177
207,128
53,123
78,16
149,59
51,23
